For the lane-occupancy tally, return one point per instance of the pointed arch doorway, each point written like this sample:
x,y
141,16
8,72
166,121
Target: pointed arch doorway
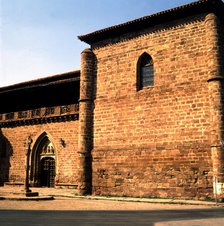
x,y
42,172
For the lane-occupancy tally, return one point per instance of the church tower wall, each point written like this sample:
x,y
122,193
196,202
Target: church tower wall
x,y
154,141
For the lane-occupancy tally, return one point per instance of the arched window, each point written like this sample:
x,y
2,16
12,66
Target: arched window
x,y
145,71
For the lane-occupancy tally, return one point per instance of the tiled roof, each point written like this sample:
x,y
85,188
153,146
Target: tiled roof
x,y
154,19
50,80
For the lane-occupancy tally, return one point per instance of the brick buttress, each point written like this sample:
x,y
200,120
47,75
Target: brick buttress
x,y
216,90
85,139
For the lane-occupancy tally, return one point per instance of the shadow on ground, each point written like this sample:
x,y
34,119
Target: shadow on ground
x,y
98,218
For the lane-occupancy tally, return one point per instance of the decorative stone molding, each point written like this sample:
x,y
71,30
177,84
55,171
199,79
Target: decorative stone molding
x,y
40,116
9,116
47,151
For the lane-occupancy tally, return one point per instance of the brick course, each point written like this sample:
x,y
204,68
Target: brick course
x,y
156,141
66,157
164,140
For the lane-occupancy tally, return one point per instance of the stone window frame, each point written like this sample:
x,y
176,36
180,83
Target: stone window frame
x,y
145,71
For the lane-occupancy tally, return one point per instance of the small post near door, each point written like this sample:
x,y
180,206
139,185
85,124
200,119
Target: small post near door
x,y
28,143
27,185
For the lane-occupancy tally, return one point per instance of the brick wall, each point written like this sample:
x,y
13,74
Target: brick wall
x,y
156,141
66,157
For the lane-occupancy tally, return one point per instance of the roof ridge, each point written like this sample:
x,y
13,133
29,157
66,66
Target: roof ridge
x,y
57,77
147,17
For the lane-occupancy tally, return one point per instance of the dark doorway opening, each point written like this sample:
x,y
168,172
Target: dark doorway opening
x,y
43,163
47,173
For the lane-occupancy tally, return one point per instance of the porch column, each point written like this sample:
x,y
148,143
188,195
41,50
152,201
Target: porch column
x,y
216,85
85,137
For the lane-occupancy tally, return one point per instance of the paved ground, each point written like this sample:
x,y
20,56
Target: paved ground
x,y
66,212
10,192
83,211
91,205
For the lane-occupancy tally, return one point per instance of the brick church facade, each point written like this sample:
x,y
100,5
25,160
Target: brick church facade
x,y
143,116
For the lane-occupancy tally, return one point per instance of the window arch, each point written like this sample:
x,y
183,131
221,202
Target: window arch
x,y
145,71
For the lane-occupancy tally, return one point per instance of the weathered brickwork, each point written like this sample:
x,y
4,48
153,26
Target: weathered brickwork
x,y
66,157
153,172
156,141
85,135
114,132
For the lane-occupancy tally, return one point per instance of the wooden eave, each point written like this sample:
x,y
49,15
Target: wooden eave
x,y
43,82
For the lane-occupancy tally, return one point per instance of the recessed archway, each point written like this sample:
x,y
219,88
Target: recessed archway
x,y
6,152
42,173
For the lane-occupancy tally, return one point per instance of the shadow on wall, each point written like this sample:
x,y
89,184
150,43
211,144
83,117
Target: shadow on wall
x,y
5,154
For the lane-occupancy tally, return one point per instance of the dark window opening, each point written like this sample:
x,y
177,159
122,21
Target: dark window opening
x,y
145,72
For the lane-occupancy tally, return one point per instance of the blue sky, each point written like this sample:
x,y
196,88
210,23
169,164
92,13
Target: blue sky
x,y
38,38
